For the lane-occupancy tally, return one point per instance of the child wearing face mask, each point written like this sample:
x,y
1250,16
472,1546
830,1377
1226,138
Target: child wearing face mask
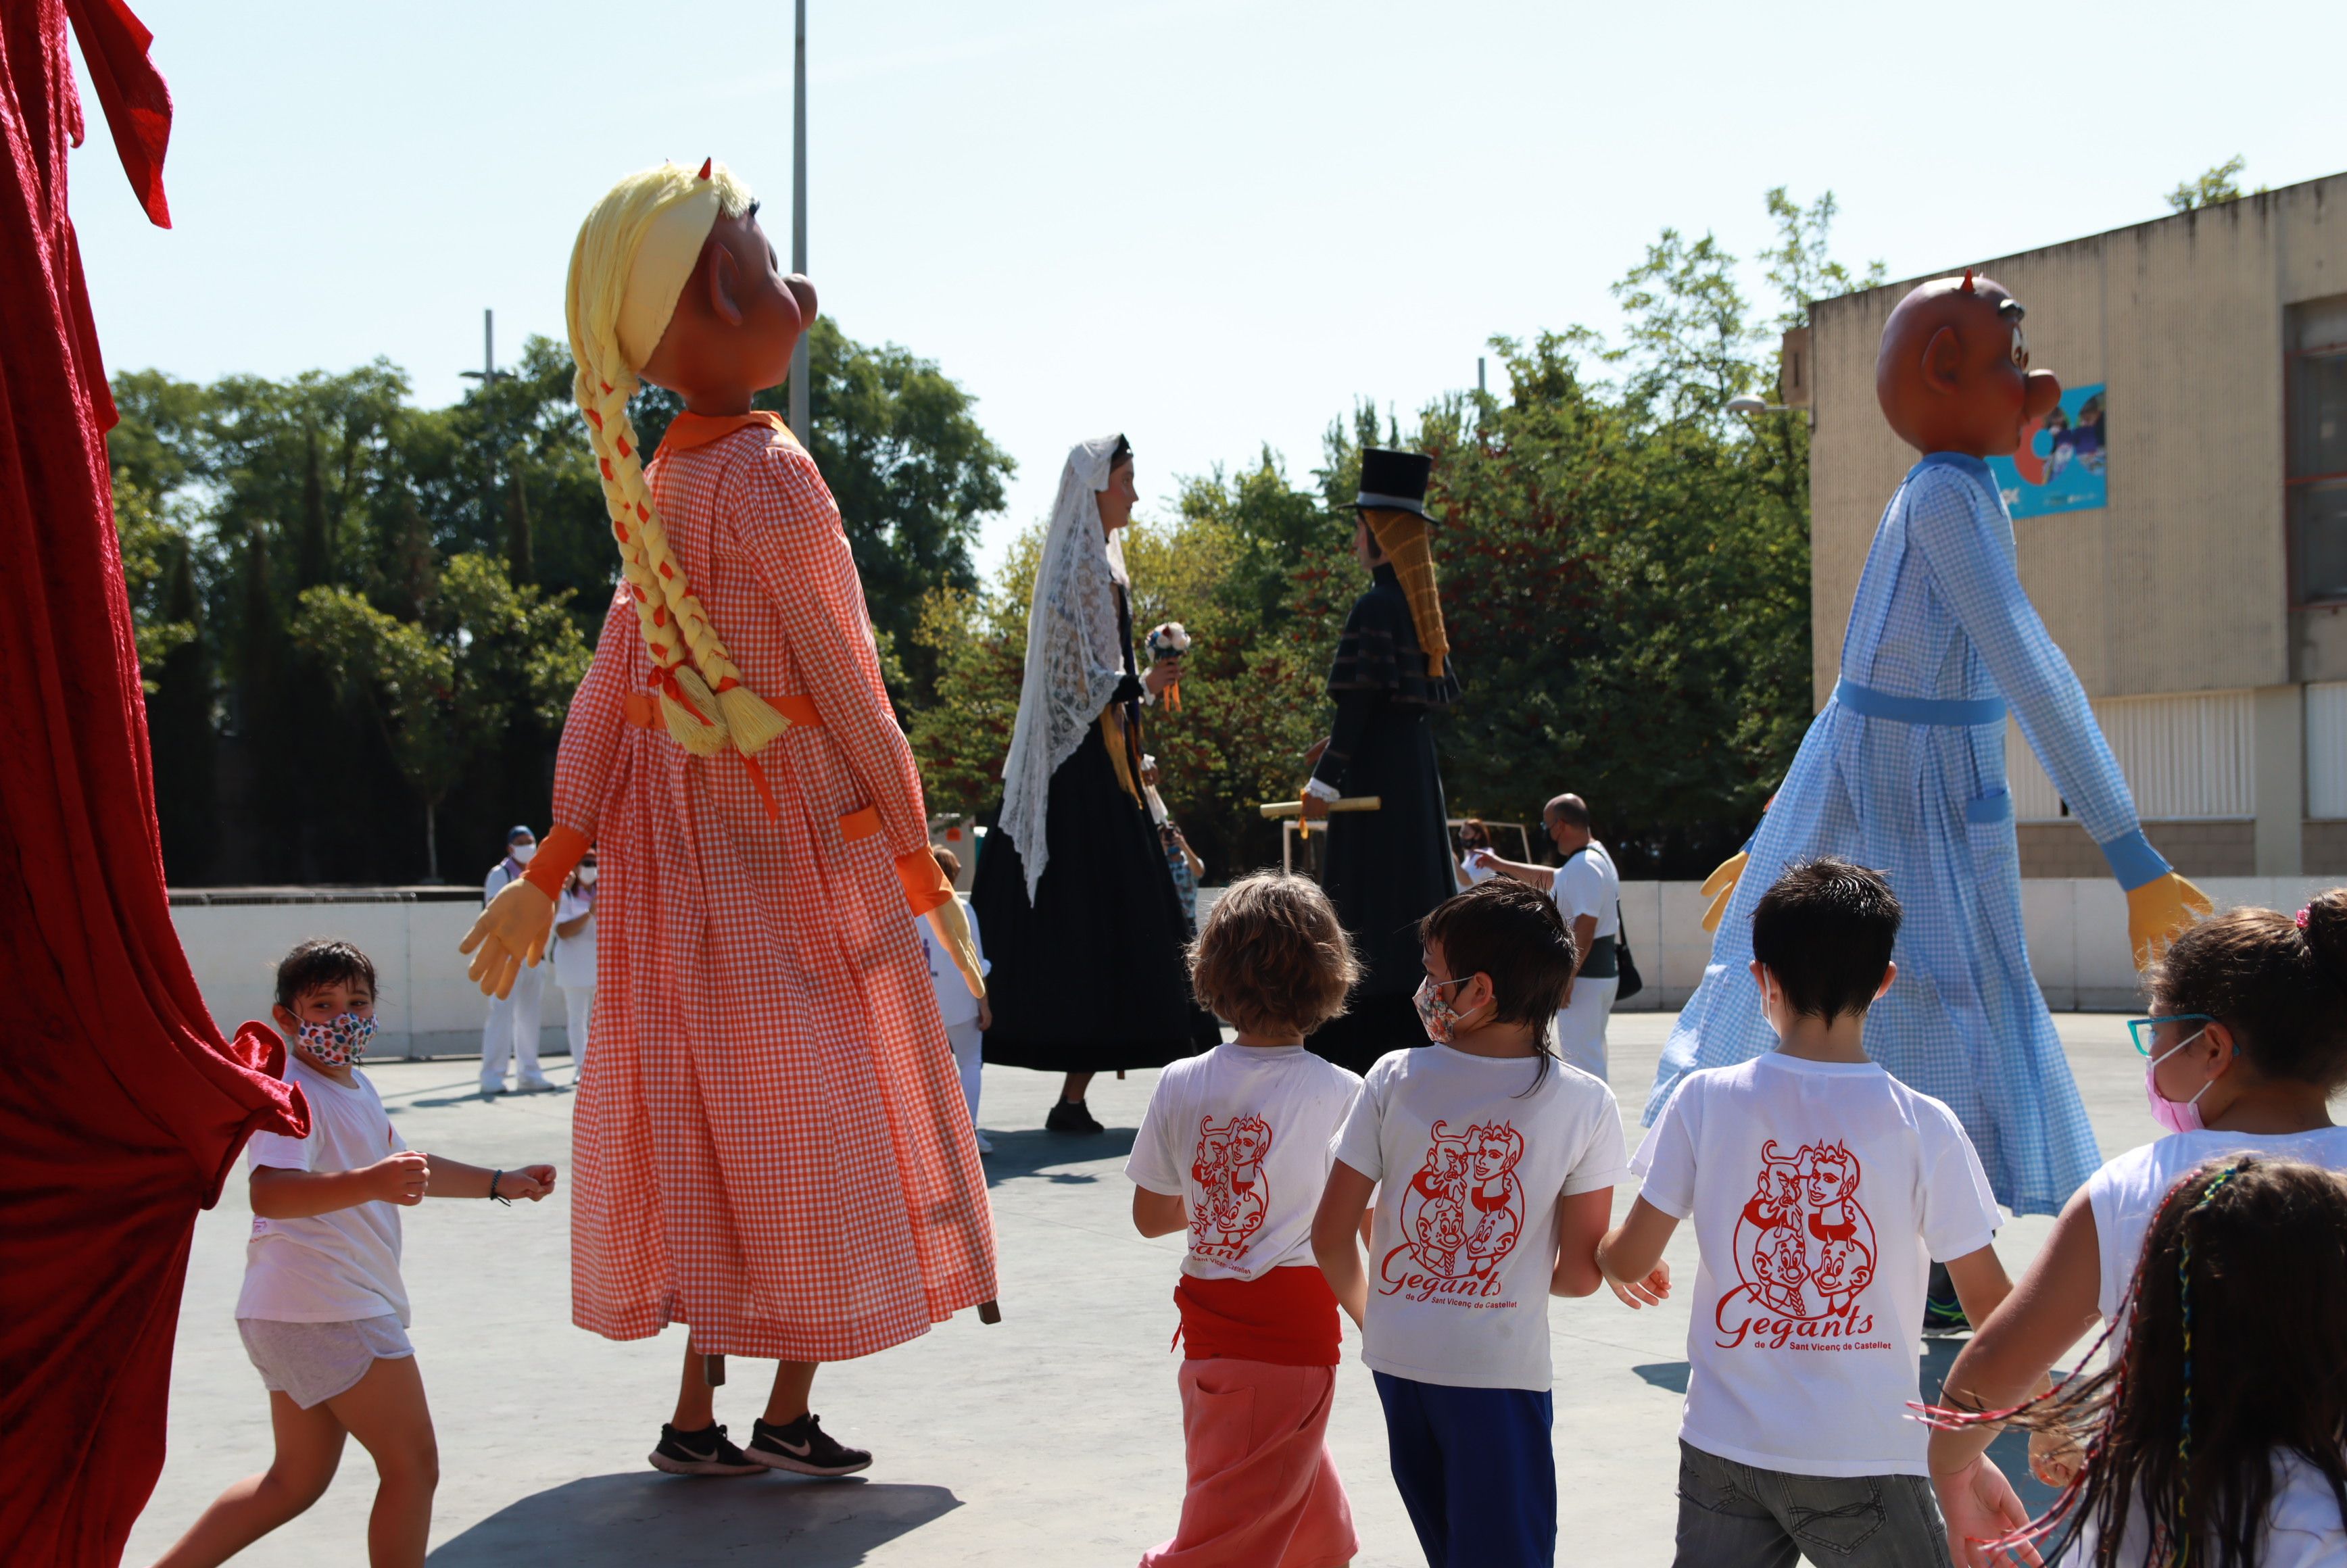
x,y
1820,1188
2245,1046
323,1313
1493,1166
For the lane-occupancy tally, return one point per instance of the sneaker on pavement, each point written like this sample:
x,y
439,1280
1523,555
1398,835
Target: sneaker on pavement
x,y
539,1085
1071,1116
804,1447
985,1145
491,1091
704,1452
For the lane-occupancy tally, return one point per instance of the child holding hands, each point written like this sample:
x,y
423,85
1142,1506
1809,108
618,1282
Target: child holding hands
x,y
1494,1166
1234,1149
1821,1188
323,1313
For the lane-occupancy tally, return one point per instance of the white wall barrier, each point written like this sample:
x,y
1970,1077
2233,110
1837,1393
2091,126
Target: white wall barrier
x,y
2077,932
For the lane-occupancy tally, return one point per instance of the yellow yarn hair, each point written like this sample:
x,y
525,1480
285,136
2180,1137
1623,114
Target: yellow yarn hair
x,y
1402,537
702,694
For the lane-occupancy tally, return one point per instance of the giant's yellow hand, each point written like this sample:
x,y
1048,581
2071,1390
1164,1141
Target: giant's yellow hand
x,y
2159,911
511,932
1720,886
951,923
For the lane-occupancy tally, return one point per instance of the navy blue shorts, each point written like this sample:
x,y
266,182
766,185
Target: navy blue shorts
x,y
1476,1470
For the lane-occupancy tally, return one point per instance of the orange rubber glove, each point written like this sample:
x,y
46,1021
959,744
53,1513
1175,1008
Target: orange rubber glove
x,y
2158,912
1720,886
513,930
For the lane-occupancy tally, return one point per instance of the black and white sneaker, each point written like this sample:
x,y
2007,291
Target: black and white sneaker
x,y
1071,1116
804,1447
704,1452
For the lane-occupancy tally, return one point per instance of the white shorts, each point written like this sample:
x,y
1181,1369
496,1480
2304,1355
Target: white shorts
x,y
310,1363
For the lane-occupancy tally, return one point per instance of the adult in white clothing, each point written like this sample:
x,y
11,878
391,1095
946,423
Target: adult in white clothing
x,y
966,1017
573,955
510,1033
1588,894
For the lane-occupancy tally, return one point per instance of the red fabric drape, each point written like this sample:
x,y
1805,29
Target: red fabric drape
x,y
121,1108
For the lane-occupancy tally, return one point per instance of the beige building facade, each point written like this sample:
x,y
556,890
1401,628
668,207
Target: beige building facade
x,y
2204,602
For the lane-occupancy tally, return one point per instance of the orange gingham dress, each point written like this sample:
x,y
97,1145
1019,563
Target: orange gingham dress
x,y
772,1143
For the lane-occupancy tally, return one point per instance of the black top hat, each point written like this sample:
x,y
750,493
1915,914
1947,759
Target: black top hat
x,y
1394,481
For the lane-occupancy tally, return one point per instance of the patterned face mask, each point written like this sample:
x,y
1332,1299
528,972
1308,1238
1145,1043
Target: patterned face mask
x,y
339,1040
1438,1016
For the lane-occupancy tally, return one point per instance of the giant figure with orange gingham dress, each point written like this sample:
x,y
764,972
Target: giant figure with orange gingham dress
x,y
771,1143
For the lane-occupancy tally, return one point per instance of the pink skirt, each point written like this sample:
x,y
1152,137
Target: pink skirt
x,y
1263,1492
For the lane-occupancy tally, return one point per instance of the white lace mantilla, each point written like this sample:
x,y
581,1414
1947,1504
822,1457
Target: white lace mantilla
x,y
1075,660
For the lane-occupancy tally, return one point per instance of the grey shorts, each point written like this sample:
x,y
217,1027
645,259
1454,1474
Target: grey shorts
x,y
310,1363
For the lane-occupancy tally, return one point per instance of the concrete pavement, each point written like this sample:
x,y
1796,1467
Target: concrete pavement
x,y
1053,1437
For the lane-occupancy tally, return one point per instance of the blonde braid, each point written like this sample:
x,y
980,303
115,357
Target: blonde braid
x,y
703,697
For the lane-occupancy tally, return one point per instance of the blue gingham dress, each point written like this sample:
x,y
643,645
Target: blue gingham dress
x,y
1903,771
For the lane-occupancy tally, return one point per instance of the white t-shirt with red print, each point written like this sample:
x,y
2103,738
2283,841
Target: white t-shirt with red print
x,y
1241,1135
1471,1159
1820,1192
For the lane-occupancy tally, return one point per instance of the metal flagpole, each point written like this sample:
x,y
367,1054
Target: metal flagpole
x,y
799,229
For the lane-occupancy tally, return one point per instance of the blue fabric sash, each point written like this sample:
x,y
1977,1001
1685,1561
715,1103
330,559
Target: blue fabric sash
x,y
1962,712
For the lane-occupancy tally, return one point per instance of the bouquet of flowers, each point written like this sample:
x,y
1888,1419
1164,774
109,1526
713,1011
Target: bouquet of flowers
x,y
1170,642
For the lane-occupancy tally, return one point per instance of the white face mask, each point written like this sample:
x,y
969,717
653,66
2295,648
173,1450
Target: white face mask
x,y
586,877
521,853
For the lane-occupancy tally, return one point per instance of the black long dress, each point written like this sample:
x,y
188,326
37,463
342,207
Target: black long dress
x,y
1384,869
1090,978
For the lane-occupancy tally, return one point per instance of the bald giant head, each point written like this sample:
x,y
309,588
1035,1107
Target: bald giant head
x,y
1952,374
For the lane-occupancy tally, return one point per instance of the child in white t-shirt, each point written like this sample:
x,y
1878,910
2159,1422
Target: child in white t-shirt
x,y
966,1017
2246,1045
1234,1149
2213,1437
1494,1166
323,1313
1821,1188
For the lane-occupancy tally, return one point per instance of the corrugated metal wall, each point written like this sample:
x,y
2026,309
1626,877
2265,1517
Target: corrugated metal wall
x,y
2326,749
2185,756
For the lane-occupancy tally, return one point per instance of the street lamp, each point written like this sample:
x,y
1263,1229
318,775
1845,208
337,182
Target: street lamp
x,y
1748,403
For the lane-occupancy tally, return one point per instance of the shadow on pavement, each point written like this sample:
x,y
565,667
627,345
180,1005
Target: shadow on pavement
x,y
625,1521
1671,1375
1047,1154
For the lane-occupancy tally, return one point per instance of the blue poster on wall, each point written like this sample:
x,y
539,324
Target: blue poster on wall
x,y
2062,465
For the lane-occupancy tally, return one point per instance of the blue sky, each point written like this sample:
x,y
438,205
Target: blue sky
x,y
1211,225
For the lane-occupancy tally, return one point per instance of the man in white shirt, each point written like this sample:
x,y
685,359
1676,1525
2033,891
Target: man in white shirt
x,y
1588,894
510,1032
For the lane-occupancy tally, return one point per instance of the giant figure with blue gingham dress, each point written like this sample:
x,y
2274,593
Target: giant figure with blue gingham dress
x,y
1903,770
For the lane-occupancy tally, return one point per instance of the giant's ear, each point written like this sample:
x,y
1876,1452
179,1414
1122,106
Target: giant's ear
x,y
1943,360
723,282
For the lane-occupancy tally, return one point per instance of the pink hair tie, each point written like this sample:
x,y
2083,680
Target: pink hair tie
x,y
2301,916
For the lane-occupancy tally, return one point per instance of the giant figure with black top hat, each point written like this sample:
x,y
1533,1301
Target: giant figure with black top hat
x,y
1385,869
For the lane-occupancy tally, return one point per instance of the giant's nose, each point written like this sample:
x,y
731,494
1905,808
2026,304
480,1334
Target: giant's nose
x,y
2039,395
803,291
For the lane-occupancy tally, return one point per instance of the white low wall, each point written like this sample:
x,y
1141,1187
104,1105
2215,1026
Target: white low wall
x,y
425,1006
2077,930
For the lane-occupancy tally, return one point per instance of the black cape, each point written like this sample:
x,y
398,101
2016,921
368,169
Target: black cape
x,y
1092,977
1386,869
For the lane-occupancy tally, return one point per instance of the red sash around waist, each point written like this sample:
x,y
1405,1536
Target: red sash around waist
x,y
1287,1317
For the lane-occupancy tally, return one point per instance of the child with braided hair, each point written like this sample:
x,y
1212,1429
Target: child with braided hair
x,y
764,1010
2216,1436
2247,1044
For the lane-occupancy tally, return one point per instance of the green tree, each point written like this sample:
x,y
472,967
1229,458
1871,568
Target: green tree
x,y
441,689
2214,186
